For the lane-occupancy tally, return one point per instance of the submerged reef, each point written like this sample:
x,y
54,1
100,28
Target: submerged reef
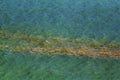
x,y
19,42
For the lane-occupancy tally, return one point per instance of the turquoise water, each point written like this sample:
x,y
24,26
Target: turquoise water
x,y
97,19
94,20
26,66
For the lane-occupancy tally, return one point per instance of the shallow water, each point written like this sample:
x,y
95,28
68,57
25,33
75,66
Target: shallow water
x,y
65,18
27,66
80,36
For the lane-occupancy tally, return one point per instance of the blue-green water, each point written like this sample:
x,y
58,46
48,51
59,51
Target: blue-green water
x,y
87,19
26,66
94,19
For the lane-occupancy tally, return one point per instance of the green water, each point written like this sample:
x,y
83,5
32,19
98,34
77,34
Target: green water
x,y
26,66
92,20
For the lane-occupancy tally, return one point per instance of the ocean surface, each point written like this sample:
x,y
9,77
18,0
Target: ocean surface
x,y
91,19
59,39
